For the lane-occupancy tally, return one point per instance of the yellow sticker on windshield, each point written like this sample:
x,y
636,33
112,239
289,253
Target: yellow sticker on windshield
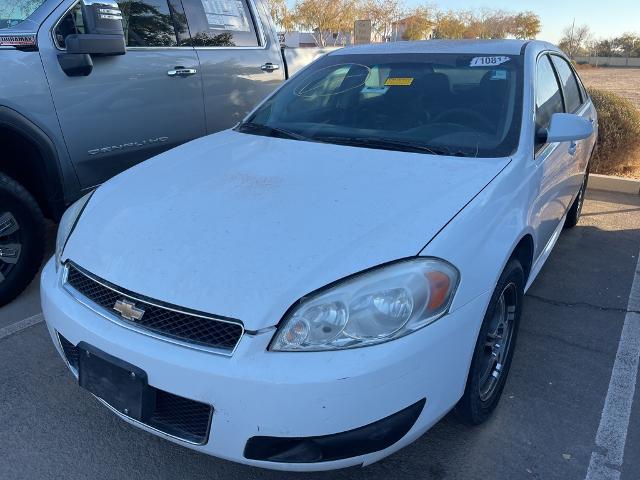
x,y
398,81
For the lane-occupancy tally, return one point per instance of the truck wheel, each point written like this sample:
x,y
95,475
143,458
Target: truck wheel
x,y
21,238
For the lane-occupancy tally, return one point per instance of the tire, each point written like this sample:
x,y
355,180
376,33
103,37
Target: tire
x,y
573,215
21,238
494,348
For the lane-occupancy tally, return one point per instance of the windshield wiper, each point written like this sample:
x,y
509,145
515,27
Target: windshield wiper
x,y
268,130
392,144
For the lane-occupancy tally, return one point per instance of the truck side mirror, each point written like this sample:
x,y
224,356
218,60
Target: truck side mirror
x,y
103,36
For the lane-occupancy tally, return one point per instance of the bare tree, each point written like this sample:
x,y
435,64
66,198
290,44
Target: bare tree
x,y
574,39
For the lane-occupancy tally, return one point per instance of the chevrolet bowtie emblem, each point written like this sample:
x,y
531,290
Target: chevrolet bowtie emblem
x,y
128,310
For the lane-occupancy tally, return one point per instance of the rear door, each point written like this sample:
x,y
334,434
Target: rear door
x,y
241,62
130,107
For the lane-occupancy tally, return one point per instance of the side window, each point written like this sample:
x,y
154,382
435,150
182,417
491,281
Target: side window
x,y
570,88
221,23
146,23
548,96
71,23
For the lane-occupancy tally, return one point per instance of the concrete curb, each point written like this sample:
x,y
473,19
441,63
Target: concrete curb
x,y
614,184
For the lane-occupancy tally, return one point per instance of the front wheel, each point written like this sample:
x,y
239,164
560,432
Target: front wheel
x,y
494,348
21,238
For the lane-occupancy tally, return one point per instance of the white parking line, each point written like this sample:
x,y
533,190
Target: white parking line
x,y
606,460
21,325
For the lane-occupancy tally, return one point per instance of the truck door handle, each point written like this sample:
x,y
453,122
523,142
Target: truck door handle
x,y
573,148
181,72
269,67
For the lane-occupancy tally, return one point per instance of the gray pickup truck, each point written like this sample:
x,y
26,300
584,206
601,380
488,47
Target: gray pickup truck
x,y
89,88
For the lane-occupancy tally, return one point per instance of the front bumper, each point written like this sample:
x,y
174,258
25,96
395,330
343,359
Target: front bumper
x,y
257,393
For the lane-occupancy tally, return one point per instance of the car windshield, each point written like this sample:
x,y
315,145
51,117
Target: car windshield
x,y
447,104
12,12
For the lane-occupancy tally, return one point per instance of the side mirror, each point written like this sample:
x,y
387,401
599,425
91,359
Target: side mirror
x,y
103,32
95,44
103,36
567,127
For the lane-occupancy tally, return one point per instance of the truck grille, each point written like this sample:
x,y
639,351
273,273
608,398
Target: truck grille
x,y
173,415
171,323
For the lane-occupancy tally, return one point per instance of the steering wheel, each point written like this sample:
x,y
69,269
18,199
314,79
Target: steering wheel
x,y
479,120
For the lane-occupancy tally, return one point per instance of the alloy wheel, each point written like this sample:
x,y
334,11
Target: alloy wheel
x,y
10,244
498,342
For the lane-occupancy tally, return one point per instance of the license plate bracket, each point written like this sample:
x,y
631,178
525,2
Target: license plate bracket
x,y
120,384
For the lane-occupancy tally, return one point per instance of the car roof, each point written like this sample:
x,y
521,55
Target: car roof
x,y
486,47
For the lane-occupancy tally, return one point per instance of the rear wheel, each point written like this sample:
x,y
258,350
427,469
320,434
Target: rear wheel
x,y
573,215
494,348
21,238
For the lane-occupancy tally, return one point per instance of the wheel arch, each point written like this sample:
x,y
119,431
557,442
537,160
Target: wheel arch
x,y
523,252
37,167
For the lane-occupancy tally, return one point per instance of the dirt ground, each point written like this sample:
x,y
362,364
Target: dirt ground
x,y
623,81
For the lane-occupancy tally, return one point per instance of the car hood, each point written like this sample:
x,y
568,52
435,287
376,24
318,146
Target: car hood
x,y
243,225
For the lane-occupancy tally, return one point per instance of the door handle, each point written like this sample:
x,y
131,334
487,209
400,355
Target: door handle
x,y
181,72
269,67
573,148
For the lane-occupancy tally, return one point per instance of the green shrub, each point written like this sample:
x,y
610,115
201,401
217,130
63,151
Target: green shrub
x,y
618,149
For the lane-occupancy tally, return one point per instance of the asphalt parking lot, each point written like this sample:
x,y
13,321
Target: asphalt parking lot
x,y
545,427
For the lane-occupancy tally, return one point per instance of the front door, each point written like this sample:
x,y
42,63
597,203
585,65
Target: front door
x,y
553,160
133,106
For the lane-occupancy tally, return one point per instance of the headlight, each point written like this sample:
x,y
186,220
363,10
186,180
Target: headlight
x,y
371,307
67,224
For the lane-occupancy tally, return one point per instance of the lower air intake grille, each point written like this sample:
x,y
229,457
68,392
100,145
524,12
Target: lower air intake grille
x,y
174,415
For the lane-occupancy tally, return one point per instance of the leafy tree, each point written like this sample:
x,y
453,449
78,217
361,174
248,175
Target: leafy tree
x,y
281,14
449,25
526,25
418,24
382,13
628,43
326,19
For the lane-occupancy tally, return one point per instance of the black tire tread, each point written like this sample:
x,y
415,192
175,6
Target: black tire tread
x,y
28,265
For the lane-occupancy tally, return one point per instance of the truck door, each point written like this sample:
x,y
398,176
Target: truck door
x,y
240,59
132,106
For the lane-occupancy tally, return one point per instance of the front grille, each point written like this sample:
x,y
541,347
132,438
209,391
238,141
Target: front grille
x,y
187,327
174,415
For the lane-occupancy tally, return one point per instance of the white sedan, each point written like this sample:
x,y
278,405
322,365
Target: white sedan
x,y
318,286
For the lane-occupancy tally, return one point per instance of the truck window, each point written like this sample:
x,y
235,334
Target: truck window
x,y
70,24
221,23
146,23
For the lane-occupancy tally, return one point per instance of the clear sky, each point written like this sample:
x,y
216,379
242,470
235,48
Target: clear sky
x,y
606,18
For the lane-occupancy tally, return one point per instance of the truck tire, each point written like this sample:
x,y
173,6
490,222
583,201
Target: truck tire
x,y
21,238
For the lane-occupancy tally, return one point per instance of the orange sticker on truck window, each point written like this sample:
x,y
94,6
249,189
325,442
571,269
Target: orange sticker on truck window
x,y
398,81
